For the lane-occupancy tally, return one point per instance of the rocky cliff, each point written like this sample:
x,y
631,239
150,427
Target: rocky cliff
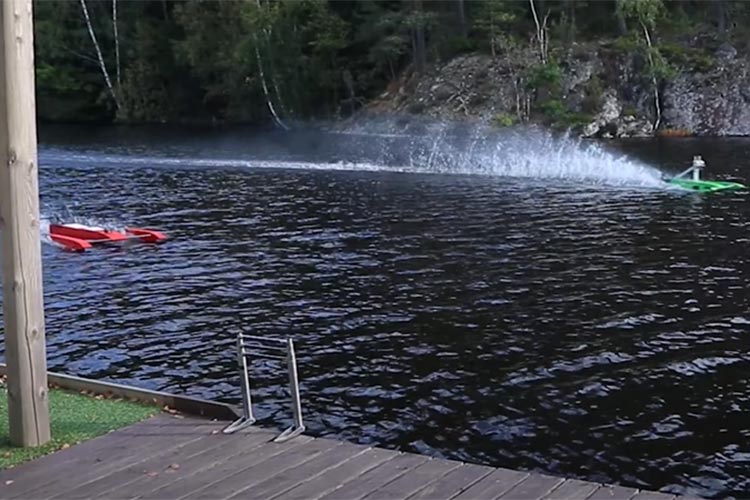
x,y
600,89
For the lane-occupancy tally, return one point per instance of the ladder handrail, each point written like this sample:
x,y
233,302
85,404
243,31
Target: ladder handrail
x,y
243,354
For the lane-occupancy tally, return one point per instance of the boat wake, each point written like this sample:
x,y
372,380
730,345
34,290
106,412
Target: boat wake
x,y
65,216
422,147
525,152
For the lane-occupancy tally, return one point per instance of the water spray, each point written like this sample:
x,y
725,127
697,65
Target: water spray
x,y
414,145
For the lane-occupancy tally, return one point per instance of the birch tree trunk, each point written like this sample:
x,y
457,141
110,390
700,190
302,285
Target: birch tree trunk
x,y
657,100
571,7
462,19
541,33
721,17
622,25
117,43
267,95
102,66
274,80
414,60
420,45
492,36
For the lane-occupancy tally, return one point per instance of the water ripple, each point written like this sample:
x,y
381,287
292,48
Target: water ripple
x,y
586,330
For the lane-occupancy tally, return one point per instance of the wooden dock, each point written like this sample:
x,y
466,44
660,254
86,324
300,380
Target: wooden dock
x,y
169,457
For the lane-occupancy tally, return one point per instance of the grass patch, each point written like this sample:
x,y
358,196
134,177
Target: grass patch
x,y
73,418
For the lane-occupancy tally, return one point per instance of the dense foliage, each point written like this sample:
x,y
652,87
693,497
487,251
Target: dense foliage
x,y
254,60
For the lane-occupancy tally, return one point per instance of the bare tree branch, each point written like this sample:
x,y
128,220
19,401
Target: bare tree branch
x,y
82,56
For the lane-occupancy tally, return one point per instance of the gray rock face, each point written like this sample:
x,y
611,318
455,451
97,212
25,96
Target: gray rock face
x,y
472,85
610,113
612,122
726,52
612,87
715,103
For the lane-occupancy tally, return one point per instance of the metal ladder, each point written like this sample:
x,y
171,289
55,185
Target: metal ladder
x,y
269,349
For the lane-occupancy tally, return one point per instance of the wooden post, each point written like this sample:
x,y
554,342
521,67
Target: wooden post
x,y
23,306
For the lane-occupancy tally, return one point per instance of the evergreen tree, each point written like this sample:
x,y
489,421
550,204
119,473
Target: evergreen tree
x,y
259,60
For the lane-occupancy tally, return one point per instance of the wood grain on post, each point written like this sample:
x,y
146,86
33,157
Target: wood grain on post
x,y
23,306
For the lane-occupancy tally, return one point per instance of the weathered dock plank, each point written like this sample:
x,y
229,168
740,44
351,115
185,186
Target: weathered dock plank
x,y
247,476
231,465
162,465
416,479
219,481
276,484
607,492
493,485
335,477
571,489
653,495
233,475
453,482
168,457
170,473
373,479
535,486
98,456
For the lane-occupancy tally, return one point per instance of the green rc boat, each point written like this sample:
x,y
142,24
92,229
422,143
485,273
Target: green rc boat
x,y
695,183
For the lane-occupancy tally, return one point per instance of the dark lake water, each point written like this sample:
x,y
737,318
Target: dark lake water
x,y
562,311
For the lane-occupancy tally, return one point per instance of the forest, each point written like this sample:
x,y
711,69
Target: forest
x,y
262,61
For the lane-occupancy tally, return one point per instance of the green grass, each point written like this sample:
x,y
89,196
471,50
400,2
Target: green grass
x,y
73,418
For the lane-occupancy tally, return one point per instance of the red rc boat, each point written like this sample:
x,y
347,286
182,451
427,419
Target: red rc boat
x,y
79,237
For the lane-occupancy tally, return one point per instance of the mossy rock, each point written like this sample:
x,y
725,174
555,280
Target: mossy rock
x,y
416,108
625,44
478,98
557,115
505,120
687,57
594,91
629,110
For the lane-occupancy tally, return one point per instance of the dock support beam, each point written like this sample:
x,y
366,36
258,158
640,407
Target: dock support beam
x,y
23,306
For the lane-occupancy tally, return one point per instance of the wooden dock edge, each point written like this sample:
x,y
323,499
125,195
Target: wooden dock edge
x,y
182,404
221,411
